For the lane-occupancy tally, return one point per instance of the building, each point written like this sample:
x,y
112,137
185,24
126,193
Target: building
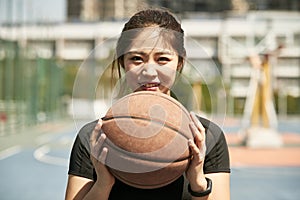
x,y
226,44
73,10
95,10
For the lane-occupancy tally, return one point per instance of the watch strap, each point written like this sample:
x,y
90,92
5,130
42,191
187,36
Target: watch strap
x,y
202,193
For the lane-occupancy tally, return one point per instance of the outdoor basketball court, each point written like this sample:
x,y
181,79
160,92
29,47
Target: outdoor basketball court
x,y
34,165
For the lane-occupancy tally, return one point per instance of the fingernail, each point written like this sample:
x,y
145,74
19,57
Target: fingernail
x,y
103,135
192,113
192,125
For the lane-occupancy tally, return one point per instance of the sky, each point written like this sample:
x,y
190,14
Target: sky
x,y
32,11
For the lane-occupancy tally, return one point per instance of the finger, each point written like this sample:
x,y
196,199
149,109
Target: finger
x,y
193,147
203,148
98,145
197,154
103,155
200,133
198,137
197,122
96,133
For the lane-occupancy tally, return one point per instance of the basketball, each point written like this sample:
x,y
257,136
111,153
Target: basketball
x,y
147,139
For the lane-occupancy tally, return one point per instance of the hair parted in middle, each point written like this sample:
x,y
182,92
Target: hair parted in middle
x,y
159,20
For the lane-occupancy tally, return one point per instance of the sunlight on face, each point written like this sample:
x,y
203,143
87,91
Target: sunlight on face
x,y
150,64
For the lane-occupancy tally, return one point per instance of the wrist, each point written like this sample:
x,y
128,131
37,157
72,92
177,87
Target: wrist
x,y
199,185
104,186
201,193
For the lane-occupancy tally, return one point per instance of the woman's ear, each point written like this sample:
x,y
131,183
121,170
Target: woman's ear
x,y
120,64
180,64
121,61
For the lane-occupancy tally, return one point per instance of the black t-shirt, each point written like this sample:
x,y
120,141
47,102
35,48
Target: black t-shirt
x,y
216,160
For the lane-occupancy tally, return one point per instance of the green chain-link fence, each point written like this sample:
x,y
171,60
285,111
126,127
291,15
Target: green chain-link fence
x,y
31,88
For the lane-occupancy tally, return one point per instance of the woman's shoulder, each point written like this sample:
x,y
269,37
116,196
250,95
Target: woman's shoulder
x,y
84,133
217,154
215,136
88,127
210,125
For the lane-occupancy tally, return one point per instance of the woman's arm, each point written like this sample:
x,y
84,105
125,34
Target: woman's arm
x,y
84,188
220,187
79,188
195,174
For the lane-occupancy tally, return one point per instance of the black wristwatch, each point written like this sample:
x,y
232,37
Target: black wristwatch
x,y
202,193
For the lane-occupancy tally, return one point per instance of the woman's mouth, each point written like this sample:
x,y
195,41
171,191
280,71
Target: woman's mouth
x,y
150,86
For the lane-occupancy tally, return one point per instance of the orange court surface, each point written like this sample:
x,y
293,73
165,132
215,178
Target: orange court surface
x,y
283,156
288,155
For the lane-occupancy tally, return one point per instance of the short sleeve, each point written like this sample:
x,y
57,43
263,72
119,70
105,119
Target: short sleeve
x,y
80,163
217,154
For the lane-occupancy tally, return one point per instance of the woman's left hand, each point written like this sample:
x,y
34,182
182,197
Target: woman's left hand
x,y
194,173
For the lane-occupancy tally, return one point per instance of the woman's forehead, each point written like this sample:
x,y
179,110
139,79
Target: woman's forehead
x,y
150,39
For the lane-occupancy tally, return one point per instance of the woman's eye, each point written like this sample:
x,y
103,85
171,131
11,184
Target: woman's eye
x,y
136,59
163,59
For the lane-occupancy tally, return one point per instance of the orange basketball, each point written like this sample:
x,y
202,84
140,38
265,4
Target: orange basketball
x,y
147,139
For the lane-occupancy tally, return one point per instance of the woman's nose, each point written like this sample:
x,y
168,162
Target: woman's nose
x,y
149,70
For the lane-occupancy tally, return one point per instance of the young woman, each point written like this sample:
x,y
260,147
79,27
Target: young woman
x,y
151,52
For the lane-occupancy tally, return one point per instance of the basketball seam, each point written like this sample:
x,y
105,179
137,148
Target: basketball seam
x,y
146,119
135,155
139,155
169,98
158,94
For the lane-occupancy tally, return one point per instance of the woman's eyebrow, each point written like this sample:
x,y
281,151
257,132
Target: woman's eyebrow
x,y
157,52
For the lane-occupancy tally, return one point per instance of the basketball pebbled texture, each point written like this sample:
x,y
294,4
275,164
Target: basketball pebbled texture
x,y
147,139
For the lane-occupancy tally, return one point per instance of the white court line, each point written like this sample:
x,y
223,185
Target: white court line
x,y
10,152
40,154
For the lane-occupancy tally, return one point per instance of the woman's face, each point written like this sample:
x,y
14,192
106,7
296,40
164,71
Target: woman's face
x,y
150,64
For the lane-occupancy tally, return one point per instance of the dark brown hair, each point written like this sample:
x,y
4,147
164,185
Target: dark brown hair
x,y
173,34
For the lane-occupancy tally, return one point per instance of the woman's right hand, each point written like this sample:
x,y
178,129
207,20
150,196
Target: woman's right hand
x,y
104,178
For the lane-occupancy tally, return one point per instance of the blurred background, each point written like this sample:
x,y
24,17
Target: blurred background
x,y
45,44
